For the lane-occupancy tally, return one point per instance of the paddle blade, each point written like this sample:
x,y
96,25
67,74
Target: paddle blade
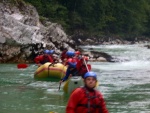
x,y
21,66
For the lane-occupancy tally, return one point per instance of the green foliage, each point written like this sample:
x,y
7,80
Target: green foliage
x,y
120,17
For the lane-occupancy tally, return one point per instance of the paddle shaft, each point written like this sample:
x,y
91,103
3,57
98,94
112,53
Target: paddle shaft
x,y
61,78
59,86
86,65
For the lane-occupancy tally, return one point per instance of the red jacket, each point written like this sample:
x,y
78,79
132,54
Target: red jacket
x,y
83,69
78,102
79,63
71,60
43,59
63,55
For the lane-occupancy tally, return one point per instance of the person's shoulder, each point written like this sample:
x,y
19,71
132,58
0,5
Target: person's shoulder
x,y
78,90
99,93
39,56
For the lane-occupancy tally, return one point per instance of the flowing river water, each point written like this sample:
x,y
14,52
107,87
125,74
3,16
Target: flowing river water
x,y
125,84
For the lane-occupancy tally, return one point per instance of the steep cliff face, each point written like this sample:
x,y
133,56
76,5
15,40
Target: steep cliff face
x,y
22,35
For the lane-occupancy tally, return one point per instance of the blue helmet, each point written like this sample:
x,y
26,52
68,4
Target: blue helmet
x,y
90,74
46,51
70,53
51,52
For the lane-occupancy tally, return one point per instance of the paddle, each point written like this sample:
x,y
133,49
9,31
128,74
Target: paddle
x,y
88,70
59,86
86,65
22,66
61,78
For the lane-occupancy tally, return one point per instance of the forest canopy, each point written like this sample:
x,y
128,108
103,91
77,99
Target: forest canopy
x,y
101,17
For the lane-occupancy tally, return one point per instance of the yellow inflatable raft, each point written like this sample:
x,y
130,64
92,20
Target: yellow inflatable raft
x,y
74,82
50,71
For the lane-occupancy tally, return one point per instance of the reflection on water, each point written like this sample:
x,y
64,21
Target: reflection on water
x,y
125,85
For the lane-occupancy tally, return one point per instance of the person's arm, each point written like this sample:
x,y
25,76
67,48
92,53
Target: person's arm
x,y
73,101
66,76
50,59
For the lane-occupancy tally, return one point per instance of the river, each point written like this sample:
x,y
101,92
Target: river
x,y
125,84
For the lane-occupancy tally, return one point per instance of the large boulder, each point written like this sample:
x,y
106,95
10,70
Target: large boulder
x,y
22,35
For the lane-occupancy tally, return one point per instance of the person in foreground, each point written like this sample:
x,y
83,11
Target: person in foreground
x,y
86,99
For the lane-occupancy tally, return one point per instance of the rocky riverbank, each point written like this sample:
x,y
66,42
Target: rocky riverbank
x,y
23,36
85,39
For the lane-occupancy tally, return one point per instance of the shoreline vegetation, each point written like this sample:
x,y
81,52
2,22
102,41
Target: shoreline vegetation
x,y
125,19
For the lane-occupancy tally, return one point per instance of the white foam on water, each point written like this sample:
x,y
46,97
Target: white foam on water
x,y
43,84
130,65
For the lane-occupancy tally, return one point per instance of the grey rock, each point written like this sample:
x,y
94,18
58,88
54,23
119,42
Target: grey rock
x,y
22,35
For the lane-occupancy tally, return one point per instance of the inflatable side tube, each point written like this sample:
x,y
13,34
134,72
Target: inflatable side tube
x,y
73,83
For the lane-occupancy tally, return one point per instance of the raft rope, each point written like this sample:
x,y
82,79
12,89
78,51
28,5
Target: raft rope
x,y
52,64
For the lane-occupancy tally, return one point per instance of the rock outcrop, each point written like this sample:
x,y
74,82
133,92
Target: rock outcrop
x,y
22,35
85,39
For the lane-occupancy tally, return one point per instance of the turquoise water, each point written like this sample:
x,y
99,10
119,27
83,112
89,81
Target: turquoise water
x,y
20,93
125,85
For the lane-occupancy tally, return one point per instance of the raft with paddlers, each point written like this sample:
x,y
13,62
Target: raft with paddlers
x,y
50,71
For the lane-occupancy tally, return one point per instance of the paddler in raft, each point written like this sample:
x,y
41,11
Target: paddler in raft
x,y
44,58
64,56
77,66
71,63
83,66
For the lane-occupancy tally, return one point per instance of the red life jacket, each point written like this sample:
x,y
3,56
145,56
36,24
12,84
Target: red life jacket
x,y
83,69
43,59
63,55
84,101
91,103
71,60
79,63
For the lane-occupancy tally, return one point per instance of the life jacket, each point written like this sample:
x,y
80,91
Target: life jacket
x,y
71,62
79,63
63,55
90,103
43,59
83,69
